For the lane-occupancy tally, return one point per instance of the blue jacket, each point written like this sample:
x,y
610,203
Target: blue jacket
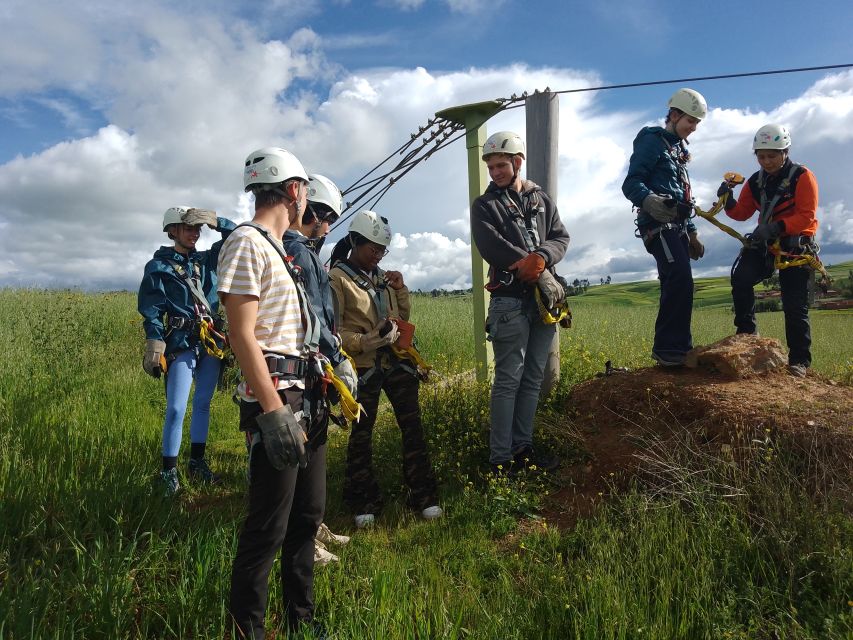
x,y
163,291
658,165
316,283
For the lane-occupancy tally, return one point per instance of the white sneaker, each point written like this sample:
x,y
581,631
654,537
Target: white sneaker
x,y
431,513
322,556
325,536
363,520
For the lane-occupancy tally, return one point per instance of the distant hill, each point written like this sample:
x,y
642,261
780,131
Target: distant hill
x,y
709,292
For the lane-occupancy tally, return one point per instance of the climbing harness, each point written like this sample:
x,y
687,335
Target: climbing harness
x,y
208,334
781,259
410,353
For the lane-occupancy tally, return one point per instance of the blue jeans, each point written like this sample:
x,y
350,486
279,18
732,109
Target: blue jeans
x,y
521,343
673,338
186,366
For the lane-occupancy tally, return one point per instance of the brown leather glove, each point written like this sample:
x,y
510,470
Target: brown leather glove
x,y
529,268
695,249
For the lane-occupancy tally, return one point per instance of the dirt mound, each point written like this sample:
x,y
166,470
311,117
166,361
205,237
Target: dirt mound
x,y
613,419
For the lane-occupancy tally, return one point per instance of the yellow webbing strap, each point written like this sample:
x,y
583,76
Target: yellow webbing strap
x,y
547,315
350,406
206,334
784,260
732,178
410,353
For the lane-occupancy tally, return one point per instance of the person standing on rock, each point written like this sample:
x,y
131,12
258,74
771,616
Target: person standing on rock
x,y
785,195
659,186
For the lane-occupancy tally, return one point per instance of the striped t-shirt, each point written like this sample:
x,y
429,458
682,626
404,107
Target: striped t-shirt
x,y
249,265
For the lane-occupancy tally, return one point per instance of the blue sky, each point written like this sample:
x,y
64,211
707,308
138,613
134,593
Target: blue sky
x,y
122,109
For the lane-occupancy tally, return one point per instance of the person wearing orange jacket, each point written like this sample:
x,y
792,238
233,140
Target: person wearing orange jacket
x,y
785,195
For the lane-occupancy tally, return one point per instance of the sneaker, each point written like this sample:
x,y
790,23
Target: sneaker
x,y
668,361
798,370
169,480
431,513
325,536
323,556
364,520
199,471
528,459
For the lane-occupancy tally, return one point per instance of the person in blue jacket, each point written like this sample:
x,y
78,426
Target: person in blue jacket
x,y
303,241
659,187
183,339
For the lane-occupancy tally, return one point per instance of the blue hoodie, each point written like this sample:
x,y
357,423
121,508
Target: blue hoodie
x,y
163,291
315,279
654,167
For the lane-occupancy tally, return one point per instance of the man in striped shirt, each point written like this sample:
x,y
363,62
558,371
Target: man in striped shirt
x,y
287,489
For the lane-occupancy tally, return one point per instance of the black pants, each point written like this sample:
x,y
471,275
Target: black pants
x,y
755,265
361,491
673,338
285,510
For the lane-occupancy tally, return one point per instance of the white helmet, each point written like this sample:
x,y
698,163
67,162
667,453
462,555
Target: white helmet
x,y
771,136
323,191
504,142
690,102
174,215
271,166
372,226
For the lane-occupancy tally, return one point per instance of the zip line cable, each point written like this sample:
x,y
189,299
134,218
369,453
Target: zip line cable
x,y
370,189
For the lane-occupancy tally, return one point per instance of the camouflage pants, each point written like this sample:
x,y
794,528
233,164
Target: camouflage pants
x,y
361,491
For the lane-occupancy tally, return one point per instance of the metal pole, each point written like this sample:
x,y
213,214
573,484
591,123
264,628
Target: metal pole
x,y
542,110
474,117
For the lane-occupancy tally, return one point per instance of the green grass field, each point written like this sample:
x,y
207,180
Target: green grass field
x,y
88,549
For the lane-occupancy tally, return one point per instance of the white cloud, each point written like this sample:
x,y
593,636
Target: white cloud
x,y
189,96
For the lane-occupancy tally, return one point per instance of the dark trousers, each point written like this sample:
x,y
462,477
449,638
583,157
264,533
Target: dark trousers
x,y
361,491
755,265
285,509
675,310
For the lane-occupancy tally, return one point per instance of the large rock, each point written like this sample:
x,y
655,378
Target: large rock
x,y
739,356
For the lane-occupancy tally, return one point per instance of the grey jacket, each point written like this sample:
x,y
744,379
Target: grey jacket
x,y
498,231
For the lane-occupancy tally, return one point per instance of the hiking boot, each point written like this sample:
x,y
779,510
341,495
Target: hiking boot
x,y
199,471
798,370
431,513
169,482
325,535
532,460
668,361
323,556
364,520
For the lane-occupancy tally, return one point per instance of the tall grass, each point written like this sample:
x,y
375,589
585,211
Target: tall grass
x,y
89,548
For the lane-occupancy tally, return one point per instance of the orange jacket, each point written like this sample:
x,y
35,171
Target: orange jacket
x,y
795,209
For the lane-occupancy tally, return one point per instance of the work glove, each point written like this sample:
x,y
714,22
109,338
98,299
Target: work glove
x,y
153,359
767,232
379,336
695,249
660,208
529,268
348,375
283,437
727,188
550,290
200,216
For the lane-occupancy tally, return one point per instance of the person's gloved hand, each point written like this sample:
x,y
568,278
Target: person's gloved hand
x,y
660,208
154,353
283,437
200,216
529,268
695,249
347,373
725,188
377,337
767,231
550,290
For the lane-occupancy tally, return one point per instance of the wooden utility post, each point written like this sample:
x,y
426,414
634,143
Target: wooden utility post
x,y
474,117
543,128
